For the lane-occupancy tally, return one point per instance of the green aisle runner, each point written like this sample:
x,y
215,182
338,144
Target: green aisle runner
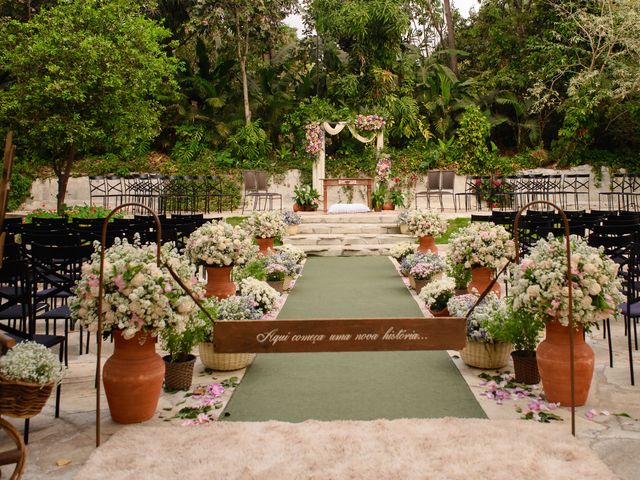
x,y
351,386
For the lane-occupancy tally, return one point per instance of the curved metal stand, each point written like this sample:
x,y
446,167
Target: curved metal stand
x,y
159,262
567,233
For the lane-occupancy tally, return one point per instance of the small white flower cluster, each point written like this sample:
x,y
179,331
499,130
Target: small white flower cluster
x,y
292,252
488,315
437,291
540,285
31,362
425,223
402,249
481,245
237,307
264,297
220,244
267,224
137,294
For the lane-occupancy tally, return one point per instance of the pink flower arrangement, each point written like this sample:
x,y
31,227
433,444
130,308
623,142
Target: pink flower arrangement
x,y
383,168
315,137
369,123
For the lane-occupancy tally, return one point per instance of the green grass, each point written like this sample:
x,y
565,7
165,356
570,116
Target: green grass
x,y
235,220
453,226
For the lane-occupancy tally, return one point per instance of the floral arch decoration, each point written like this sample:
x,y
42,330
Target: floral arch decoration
x,y
315,146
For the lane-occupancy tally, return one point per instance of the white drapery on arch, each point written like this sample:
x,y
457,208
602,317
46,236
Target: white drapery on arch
x,y
319,163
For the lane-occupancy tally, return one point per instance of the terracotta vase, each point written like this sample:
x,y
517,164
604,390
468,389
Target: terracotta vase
x,y
133,378
553,358
265,244
219,282
440,313
296,207
427,244
388,206
480,279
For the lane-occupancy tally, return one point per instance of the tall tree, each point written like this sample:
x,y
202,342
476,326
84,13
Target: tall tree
x,y
85,78
451,37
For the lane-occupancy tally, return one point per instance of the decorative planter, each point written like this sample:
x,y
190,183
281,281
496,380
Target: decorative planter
x,y
296,207
287,282
427,244
480,279
223,362
553,357
404,228
219,283
21,399
388,206
265,244
278,285
178,375
377,209
304,208
486,355
525,367
292,229
440,313
133,378
417,284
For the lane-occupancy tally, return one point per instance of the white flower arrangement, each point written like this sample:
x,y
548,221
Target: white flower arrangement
x,y
264,297
487,317
436,294
403,217
218,244
294,253
425,223
402,250
481,245
237,307
266,224
31,362
138,295
428,269
539,283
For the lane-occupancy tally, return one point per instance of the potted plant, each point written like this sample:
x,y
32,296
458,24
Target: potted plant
x,y
461,275
486,347
397,198
265,227
402,221
411,260
523,329
377,199
140,300
281,266
292,220
306,198
399,251
430,268
179,343
426,225
540,286
437,294
219,246
291,257
262,295
483,247
28,373
231,308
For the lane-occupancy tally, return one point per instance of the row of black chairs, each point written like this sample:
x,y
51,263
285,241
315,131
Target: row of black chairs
x,y
624,192
163,193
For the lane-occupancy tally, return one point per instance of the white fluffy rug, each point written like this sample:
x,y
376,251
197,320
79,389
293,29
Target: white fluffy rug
x,y
388,449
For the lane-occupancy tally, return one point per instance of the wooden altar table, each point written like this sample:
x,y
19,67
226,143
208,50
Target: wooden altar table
x,y
345,182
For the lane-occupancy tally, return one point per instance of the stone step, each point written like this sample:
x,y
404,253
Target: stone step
x,y
327,239
371,217
348,228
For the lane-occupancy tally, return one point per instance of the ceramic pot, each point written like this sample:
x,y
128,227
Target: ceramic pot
x,y
480,279
133,378
404,228
296,207
440,313
292,229
525,367
553,358
427,244
178,375
388,206
265,244
219,283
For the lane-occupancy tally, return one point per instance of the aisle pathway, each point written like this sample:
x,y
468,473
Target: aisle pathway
x,y
351,386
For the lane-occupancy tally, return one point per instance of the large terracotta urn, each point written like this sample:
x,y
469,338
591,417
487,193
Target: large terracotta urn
x,y
133,378
219,283
427,244
553,356
480,279
265,244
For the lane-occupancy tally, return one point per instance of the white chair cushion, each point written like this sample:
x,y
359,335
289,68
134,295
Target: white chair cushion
x,y
348,208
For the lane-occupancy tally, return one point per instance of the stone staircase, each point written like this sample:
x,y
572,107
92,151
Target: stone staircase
x,y
347,235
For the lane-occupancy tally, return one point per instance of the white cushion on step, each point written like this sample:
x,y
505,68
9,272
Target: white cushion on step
x,y
348,208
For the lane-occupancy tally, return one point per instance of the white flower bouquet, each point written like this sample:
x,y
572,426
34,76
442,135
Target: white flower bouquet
x,y
436,294
139,296
32,363
401,250
292,252
429,268
485,322
218,244
237,307
424,223
263,296
481,245
539,283
266,224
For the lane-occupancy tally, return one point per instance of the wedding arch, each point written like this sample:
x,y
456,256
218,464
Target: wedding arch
x,y
318,139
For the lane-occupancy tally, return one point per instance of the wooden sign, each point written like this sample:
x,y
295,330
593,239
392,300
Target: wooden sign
x,y
347,182
340,335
